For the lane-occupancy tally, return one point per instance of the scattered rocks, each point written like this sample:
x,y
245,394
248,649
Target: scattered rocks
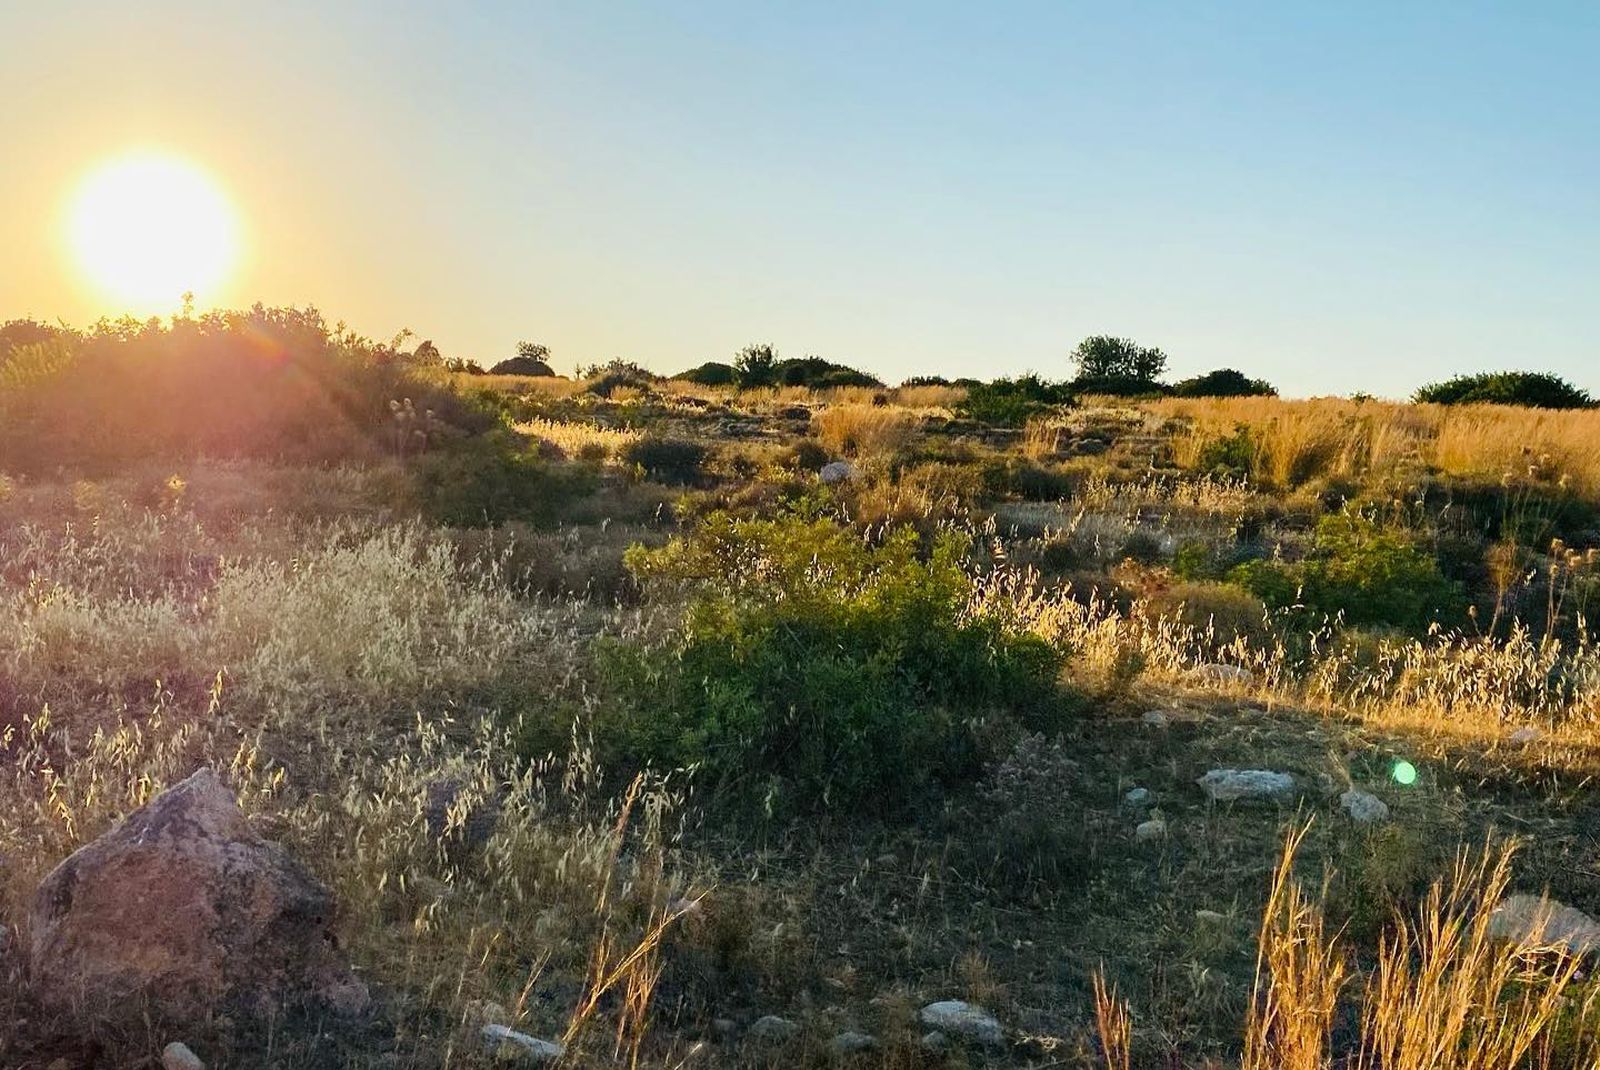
x,y
507,1043
1542,920
1150,831
772,1029
835,472
1230,785
1525,735
851,1042
1138,797
954,1017
1155,718
1224,674
1364,807
178,1056
183,909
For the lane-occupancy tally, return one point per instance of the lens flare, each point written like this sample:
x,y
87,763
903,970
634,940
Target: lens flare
x,y
1404,773
147,228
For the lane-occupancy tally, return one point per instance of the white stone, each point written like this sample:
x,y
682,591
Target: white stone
x,y
962,1019
851,1042
1228,785
1138,797
837,472
503,1040
178,1056
1546,921
773,1029
1151,830
1365,807
1155,718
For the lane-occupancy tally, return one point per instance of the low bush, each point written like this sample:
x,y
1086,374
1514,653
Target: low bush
x,y
1362,572
493,479
1223,611
1223,383
1010,402
675,461
1538,390
814,668
711,373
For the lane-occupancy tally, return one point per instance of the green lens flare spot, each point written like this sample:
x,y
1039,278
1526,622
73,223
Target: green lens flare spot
x,y
1404,773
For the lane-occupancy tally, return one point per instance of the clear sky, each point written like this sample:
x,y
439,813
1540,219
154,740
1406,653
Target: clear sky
x,y
1336,196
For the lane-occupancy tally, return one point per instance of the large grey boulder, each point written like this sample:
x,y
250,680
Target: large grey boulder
x,y
1541,920
1364,807
183,910
954,1017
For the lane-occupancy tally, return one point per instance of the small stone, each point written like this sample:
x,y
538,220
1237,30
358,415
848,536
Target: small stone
x,y
349,998
1211,917
724,1027
179,1056
1228,785
1155,718
505,1042
482,1012
835,472
1525,735
1365,807
1138,797
1224,674
962,1019
1542,920
851,1042
934,1041
1150,831
772,1029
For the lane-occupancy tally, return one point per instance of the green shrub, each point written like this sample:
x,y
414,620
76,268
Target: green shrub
x,y
1010,402
1361,571
711,373
493,479
816,669
1232,456
1223,383
817,373
1225,611
675,461
1537,390
1012,475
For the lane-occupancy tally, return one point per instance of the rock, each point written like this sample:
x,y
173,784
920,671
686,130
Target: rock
x,y
184,910
178,1056
851,1042
956,1017
835,472
462,824
1545,921
772,1029
1228,785
507,1043
1525,735
934,1041
1149,831
1211,917
482,1012
1155,718
724,1027
1365,807
1224,674
1138,797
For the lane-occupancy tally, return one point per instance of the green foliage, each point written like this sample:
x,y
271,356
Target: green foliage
x,y
711,373
667,460
267,383
1013,475
1223,383
818,374
816,669
531,359
1537,390
1010,402
494,479
1108,365
1232,456
605,379
757,365
1361,571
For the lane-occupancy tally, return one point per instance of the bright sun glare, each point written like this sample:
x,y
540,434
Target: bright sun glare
x,y
147,228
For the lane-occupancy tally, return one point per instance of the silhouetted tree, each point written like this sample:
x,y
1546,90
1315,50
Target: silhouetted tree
x,y
757,365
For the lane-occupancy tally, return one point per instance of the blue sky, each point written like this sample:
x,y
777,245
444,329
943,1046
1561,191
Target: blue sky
x,y
1336,197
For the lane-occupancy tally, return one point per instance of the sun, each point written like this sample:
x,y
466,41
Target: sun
x,y
148,228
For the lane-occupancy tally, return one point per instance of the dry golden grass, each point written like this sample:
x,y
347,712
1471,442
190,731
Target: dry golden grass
x,y
584,441
550,386
863,431
1296,441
